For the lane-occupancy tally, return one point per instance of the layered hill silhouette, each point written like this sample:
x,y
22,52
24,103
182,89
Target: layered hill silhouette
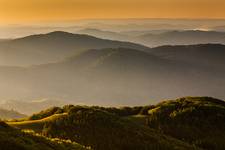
x,y
182,38
206,55
185,123
52,47
105,34
219,28
162,37
121,76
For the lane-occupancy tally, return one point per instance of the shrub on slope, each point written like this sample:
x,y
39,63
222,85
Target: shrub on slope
x,y
103,130
197,120
14,139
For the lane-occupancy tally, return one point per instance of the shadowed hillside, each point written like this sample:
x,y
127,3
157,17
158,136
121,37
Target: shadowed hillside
x,y
206,55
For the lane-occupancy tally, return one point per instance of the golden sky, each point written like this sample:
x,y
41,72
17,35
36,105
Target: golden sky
x,y
23,11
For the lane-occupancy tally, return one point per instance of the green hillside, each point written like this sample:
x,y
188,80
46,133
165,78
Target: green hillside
x,y
185,123
14,139
100,128
197,120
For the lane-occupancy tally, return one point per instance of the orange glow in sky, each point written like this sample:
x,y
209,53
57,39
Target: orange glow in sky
x,y
22,11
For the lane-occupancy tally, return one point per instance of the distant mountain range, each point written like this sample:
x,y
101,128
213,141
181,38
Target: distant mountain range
x,y
29,107
10,114
105,34
205,55
52,47
153,38
219,28
117,76
182,38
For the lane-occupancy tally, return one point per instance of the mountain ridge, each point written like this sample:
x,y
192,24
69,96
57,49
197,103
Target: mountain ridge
x,y
52,47
124,75
189,37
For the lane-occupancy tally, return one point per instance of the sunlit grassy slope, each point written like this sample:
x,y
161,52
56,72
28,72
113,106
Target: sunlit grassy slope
x,y
15,139
101,128
185,123
36,125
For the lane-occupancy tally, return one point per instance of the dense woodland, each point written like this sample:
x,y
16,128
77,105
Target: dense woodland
x,y
15,139
185,123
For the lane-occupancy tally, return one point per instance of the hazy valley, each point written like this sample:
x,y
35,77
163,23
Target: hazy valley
x,y
148,84
122,74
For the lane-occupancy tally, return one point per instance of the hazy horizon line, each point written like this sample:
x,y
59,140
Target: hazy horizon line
x,y
101,19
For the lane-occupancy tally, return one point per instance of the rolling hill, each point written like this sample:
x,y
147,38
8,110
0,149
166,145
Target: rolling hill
x,y
95,127
15,139
198,121
121,76
52,47
206,55
154,38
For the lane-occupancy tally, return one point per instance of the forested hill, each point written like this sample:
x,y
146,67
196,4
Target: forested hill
x,y
185,123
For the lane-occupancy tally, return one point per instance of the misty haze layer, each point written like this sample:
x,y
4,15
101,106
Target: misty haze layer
x,y
89,70
124,26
